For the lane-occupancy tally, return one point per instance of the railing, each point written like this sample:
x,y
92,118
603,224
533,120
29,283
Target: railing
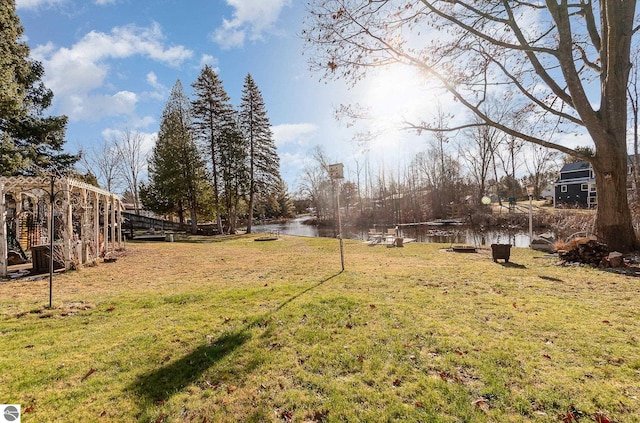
x,y
132,221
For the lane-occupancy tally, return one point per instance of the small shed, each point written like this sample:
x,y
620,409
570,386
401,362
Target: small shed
x,y
85,223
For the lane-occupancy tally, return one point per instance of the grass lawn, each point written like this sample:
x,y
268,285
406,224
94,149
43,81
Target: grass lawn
x,y
237,330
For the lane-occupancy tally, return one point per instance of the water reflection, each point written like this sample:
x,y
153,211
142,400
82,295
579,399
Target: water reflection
x,y
444,235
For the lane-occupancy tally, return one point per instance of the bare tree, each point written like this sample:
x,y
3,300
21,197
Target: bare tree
x,y
633,91
542,164
479,152
564,63
133,161
103,162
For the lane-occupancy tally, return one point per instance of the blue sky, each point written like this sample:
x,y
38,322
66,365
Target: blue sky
x,y
111,64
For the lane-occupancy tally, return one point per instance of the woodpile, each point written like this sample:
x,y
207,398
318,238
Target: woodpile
x,y
585,250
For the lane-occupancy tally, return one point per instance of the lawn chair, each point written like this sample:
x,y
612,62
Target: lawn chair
x,y
374,237
390,237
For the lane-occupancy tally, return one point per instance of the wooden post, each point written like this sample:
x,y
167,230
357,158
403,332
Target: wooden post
x,y
67,221
119,223
113,223
84,227
105,223
96,224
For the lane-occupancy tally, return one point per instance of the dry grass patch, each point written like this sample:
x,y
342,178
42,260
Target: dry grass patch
x,y
271,331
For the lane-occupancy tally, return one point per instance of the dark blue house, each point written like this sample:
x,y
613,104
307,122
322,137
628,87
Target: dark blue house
x,y
576,186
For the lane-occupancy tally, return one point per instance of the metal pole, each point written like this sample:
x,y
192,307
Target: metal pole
x,y
339,224
530,220
52,196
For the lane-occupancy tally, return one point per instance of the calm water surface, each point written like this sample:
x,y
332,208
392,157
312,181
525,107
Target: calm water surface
x,y
437,234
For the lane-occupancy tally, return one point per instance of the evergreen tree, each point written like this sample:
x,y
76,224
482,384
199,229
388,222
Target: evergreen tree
x,y
233,159
28,139
263,162
212,113
176,170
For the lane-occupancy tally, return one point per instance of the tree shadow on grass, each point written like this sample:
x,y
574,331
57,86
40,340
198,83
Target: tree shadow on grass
x,y
161,384
513,265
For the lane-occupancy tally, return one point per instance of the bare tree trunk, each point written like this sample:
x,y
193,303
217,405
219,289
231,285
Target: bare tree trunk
x,y
613,218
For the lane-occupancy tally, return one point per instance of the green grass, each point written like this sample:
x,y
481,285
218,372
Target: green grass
x,y
237,330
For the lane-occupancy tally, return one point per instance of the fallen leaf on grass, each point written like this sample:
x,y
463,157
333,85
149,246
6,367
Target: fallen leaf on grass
x,y
318,416
348,326
104,412
161,418
481,403
231,388
568,418
31,345
111,308
397,382
27,410
286,415
547,356
89,373
372,305
601,418
515,305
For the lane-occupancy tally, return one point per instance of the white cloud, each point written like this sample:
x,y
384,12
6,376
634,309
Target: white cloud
x,y
32,4
104,2
160,90
94,107
83,66
75,73
251,19
208,59
297,133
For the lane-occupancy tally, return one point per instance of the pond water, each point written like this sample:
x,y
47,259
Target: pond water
x,y
437,234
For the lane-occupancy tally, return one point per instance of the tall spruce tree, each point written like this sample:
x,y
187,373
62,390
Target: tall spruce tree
x,y
28,139
233,172
212,113
176,170
263,161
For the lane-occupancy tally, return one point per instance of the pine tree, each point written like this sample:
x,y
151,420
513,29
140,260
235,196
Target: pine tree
x,y
28,139
263,161
212,113
176,170
233,172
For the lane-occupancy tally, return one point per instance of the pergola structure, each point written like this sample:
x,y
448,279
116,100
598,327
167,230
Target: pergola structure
x,y
75,224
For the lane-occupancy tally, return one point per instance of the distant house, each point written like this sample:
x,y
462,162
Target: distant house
x,y
576,186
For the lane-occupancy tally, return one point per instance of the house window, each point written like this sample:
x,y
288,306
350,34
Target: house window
x,y
592,188
584,187
563,188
